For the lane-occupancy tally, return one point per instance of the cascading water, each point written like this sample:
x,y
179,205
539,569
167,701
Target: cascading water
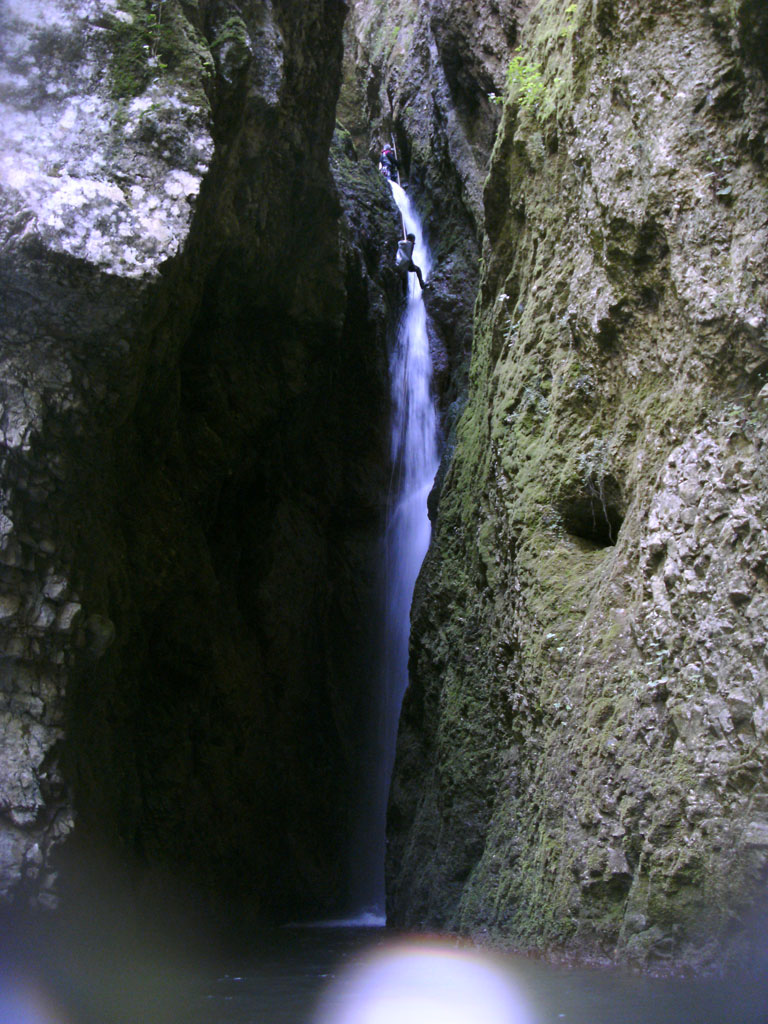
x,y
414,464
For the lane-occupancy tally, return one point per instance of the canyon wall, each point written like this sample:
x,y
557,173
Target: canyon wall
x,y
194,458
193,446
422,75
581,761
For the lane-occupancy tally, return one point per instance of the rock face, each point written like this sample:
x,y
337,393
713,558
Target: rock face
x,y
421,73
582,757
193,457
193,450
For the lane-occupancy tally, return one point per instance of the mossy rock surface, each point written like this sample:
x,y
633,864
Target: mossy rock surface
x,y
150,41
583,628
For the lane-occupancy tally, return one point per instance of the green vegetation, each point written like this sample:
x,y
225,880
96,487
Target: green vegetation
x,y
137,46
570,26
526,79
149,39
232,32
391,28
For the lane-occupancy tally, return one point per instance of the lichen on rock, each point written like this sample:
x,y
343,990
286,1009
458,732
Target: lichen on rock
x,y
86,171
192,411
570,771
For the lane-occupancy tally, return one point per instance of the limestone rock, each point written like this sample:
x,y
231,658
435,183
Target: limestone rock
x,y
584,731
423,75
192,372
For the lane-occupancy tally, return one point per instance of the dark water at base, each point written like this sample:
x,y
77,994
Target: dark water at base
x,y
283,978
118,976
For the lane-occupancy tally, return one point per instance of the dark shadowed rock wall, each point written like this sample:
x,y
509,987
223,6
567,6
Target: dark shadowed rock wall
x,y
193,458
582,756
193,381
423,74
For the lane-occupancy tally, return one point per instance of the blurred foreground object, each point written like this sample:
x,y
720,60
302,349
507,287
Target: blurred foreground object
x,y
425,983
21,1003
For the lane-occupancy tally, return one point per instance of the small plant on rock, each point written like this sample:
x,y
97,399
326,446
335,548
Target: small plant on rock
x,y
140,35
526,79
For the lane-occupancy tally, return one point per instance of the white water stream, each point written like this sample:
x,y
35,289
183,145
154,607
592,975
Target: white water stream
x,y
414,464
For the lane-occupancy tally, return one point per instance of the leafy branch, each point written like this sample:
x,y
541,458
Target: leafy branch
x,y
526,79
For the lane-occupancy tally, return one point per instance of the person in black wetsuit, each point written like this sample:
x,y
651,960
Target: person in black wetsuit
x,y
404,261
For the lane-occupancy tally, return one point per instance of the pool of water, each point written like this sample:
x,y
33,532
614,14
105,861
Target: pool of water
x,y
313,976
282,980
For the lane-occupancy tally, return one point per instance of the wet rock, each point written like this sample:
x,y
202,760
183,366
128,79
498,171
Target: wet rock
x,y
592,401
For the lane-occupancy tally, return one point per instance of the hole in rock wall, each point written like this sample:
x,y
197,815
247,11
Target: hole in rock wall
x,y
595,513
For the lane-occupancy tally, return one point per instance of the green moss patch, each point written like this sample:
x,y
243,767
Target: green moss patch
x,y
151,39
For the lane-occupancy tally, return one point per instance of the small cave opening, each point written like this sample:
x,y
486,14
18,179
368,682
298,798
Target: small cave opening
x,y
594,513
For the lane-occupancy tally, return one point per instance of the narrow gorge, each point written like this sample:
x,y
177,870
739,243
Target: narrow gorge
x,y
198,307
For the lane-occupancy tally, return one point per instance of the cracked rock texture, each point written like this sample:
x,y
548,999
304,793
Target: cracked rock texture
x,y
421,74
582,754
193,458
192,387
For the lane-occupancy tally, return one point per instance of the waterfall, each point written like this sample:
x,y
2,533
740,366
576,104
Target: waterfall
x,y
414,464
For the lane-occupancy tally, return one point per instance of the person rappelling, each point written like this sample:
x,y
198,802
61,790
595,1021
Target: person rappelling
x,y
389,167
404,261
388,164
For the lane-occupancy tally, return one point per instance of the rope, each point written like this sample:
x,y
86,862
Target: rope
x,y
397,172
